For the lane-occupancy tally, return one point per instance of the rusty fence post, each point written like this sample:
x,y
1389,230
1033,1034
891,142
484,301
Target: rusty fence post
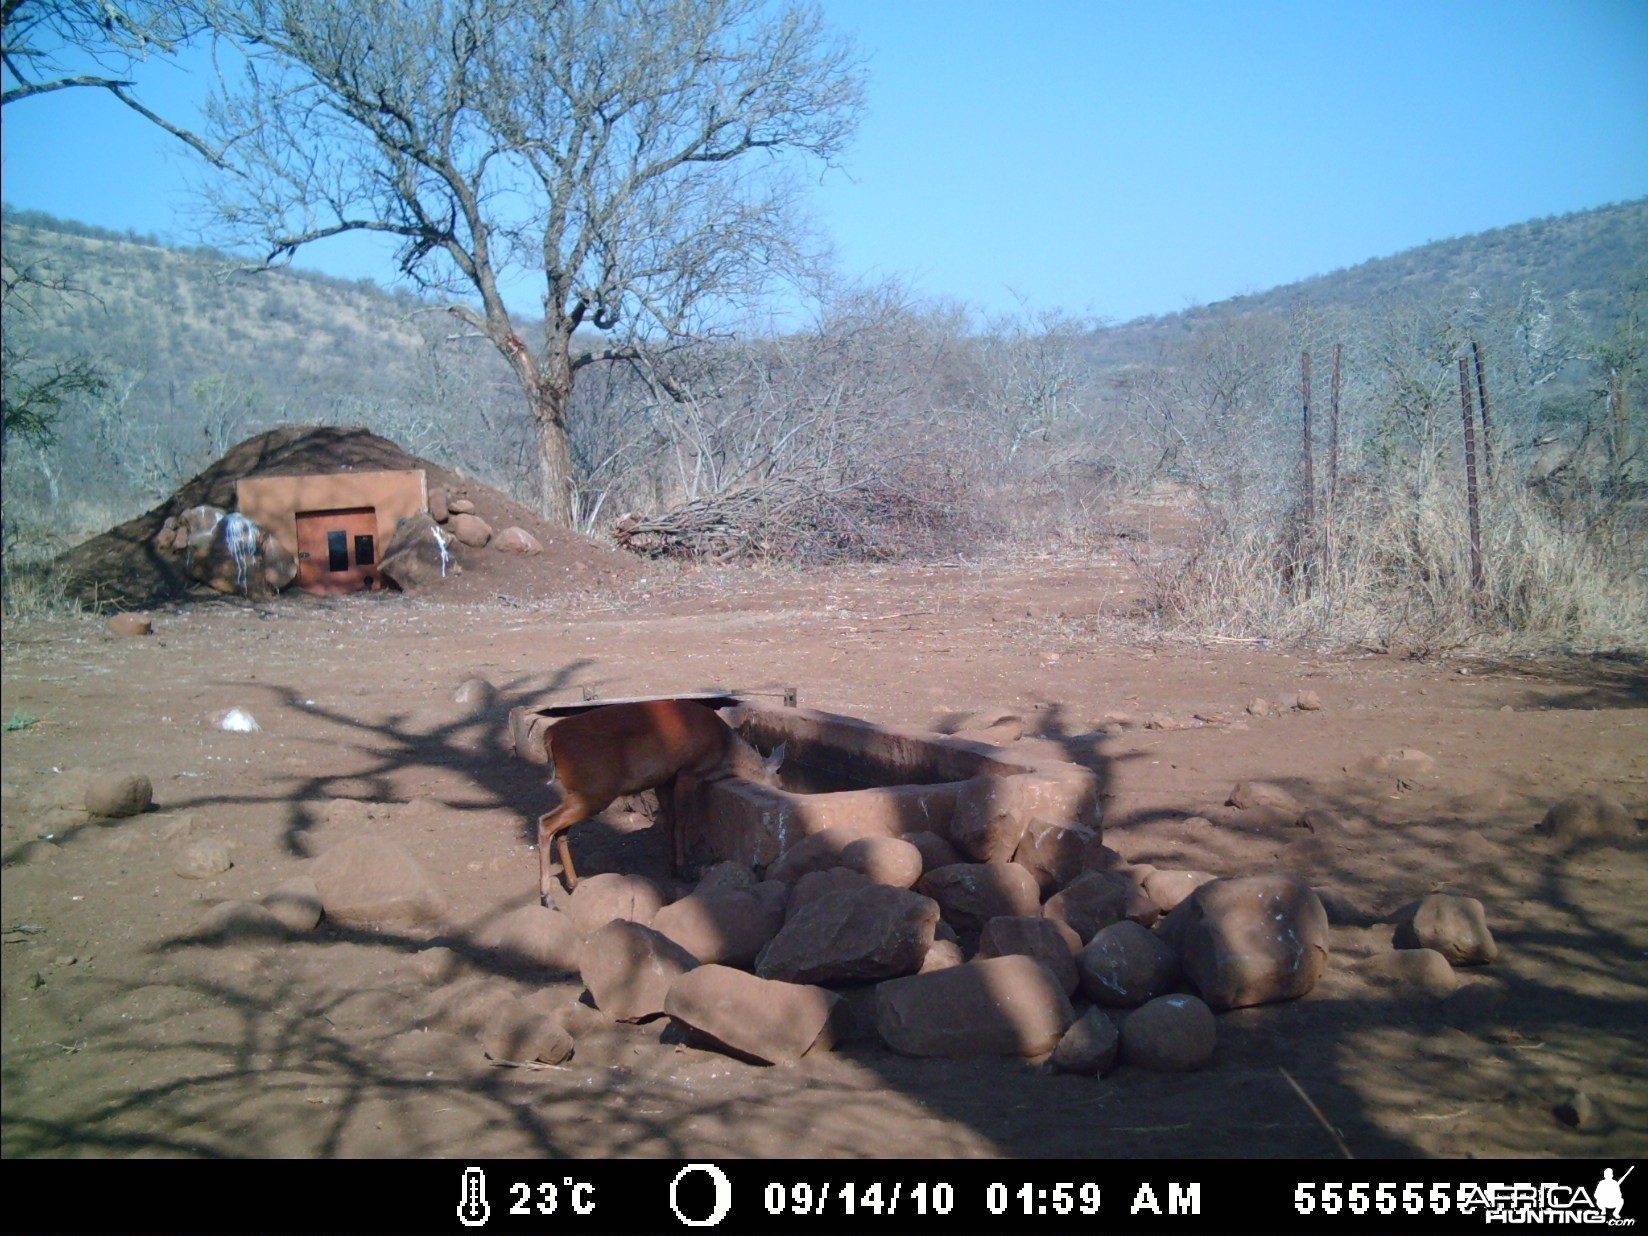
x,y
1470,476
1482,402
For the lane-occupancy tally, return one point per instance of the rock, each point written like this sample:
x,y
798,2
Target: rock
x,y
728,927
476,693
1577,1111
231,919
1403,763
516,540
32,853
629,969
818,851
599,899
1259,706
1308,701
989,818
852,936
538,938
295,903
1093,902
470,530
438,509
883,860
726,877
935,850
1000,1006
459,506
202,859
1124,965
1455,926
1057,853
1089,1047
1588,818
438,965
1252,940
1049,942
941,956
237,721
1421,970
809,888
1474,1005
228,552
466,1007
765,1019
131,624
1342,909
1170,1034
372,882
1168,888
116,795
418,555
1248,794
969,894
517,1034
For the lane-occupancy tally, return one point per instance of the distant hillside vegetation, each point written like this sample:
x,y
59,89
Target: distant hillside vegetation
x,y
1585,254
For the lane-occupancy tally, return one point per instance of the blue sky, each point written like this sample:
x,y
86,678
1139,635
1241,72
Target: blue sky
x,y
1112,159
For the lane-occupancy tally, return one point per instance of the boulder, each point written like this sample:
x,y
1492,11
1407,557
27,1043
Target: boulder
x,y
228,552
1416,970
1455,926
459,506
538,938
129,624
1096,900
116,795
599,899
372,882
1089,1047
1590,818
202,859
809,888
1168,888
970,894
1250,794
883,860
516,540
1251,940
1049,942
295,903
855,935
629,969
1000,1006
470,530
989,819
1057,853
438,510
941,956
935,850
1125,965
728,927
818,851
418,555
1170,1034
760,1018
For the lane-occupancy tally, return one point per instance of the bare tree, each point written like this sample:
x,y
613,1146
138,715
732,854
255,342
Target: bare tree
x,y
41,41
633,161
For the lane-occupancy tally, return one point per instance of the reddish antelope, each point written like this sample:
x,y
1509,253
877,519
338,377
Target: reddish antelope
x,y
596,756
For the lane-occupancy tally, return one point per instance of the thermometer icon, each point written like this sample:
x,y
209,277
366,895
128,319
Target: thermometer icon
x,y
474,1209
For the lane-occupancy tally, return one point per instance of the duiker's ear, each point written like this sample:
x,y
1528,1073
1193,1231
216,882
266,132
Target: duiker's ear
x,y
775,759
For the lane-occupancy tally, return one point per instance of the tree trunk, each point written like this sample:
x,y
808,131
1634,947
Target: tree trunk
x,y
549,405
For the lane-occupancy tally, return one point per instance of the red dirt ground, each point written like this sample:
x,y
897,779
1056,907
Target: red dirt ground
x,y
125,1033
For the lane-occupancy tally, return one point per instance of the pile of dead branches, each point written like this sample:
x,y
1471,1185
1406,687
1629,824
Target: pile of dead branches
x,y
798,522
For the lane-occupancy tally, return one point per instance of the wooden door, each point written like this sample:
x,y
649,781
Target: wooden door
x,y
338,550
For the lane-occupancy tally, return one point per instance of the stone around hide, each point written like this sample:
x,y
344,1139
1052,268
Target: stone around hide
x,y
935,850
470,530
989,818
852,936
117,795
202,859
515,540
1422,971
883,860
129,624
1093,902
599,899
418,555
1588,818
1000,1006
1049,942
539,938
761,1018
970,894
729,927
371,882
1170,1034
1251,940
1168,888
1124,965
1089,1047
438,510
941,956
1455,926
629,969
809,888
1057,853
818,851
